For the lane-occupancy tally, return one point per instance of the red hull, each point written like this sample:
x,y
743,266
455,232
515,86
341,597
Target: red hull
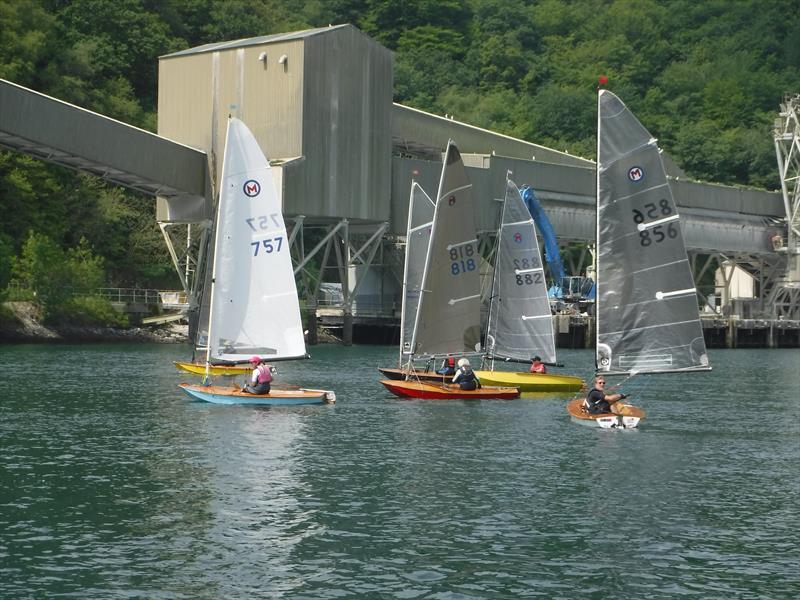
x,y
434,391
427,376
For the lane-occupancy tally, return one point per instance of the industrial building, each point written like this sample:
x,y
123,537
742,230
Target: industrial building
x,y
320,104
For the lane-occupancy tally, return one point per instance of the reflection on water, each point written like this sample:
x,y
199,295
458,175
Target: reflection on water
x,y
116,485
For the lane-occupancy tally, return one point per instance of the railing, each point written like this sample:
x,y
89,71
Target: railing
x,y
168,298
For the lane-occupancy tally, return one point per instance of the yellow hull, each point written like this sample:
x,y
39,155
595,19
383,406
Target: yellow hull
x,y
200,369
531,382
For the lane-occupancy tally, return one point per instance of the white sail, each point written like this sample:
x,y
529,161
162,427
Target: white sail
x,y
254,305
647,310
418,236
520,323
448,318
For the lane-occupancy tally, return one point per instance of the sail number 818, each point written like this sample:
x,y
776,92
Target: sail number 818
x,y
461,259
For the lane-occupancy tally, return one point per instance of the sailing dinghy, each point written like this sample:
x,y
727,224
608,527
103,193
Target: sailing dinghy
x,y
646,309
445,307
253,308
520,322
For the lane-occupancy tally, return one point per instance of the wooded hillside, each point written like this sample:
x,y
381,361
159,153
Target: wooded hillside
x,y
705,77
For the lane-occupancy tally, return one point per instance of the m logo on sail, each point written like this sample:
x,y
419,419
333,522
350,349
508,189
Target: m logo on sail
x,y
635,173
251,188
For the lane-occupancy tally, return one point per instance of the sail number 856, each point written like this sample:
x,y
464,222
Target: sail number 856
x,y
462,259
657,233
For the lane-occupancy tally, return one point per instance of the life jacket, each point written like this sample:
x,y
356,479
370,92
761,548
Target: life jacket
x,y
264,375
467,375
451,361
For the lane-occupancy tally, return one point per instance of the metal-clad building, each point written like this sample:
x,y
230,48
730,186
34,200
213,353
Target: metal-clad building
x,y
318,101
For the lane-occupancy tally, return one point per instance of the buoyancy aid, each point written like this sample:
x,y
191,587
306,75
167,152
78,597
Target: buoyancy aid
x,y
264,374
466,374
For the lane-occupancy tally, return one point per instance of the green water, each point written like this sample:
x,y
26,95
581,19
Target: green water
x,y
116,485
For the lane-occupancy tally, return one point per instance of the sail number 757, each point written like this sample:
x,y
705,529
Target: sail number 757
x,y
263,222
270,245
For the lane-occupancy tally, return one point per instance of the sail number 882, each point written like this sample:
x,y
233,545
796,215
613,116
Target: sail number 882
x,y
462,259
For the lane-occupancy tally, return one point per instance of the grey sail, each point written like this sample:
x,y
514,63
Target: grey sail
x,y
520,323
448,318
647,315
418,236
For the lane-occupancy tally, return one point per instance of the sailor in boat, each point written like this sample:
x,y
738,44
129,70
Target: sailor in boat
x,y
598,402
537,366
465,377
260,379
448,367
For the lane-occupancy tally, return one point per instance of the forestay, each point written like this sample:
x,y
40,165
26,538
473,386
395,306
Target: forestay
x,y
254,305
448,318
647,315
418,236
520,322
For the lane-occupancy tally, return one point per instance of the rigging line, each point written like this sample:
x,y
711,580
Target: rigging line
x,y
643,226
453,301
451,246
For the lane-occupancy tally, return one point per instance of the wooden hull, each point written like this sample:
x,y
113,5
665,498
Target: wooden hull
x,y
525,382
233,395
438,391
531,382
200,369
428,376
628,418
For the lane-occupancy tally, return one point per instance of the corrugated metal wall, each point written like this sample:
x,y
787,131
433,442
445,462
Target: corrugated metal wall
x,y
347,142
324,98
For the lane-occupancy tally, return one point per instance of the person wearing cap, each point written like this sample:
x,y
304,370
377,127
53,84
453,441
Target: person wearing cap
x,y
598,402
537,366
260,378
465,377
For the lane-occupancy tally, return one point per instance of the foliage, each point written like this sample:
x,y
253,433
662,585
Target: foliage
x,y
88,310
706,78
62,280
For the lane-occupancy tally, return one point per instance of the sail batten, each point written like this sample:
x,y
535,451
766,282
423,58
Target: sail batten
x,y
647,314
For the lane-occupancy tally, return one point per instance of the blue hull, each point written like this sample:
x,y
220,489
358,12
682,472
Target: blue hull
x,y
218,395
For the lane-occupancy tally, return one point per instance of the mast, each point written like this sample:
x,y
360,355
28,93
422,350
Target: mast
x,y
216,257
422,290
597,236
493,296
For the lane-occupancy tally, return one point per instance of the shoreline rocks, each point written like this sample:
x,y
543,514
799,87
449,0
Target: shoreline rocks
x,y
25,328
